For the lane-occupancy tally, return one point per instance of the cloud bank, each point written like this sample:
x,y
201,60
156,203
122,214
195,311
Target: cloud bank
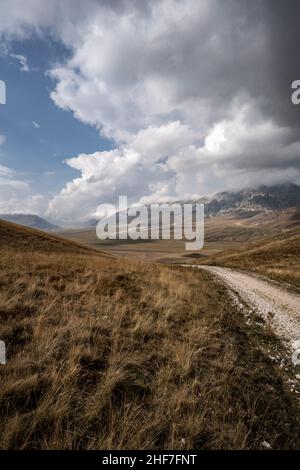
x,y
15,195
194,93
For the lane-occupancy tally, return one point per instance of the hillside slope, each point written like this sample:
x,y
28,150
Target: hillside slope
x,y
13,236
245,227
277,257
105,353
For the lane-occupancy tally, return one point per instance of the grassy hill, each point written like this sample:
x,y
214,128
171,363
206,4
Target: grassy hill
x,y
277,257
244,227
15,236
107,353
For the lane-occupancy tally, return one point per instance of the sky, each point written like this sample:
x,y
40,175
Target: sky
x,y
157,100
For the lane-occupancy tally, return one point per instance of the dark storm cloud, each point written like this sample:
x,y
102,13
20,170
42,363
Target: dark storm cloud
x,y
282,23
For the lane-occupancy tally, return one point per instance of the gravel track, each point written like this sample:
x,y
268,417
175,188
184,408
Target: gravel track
x,y
273,302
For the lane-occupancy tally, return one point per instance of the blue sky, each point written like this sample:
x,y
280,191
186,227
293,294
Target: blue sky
x,y
39,135
158,101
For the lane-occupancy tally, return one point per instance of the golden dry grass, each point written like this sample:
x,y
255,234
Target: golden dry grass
x,y
275,257
112,354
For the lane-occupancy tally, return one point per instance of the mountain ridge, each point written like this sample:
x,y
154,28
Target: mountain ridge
x,y
29,220
262,198
255,200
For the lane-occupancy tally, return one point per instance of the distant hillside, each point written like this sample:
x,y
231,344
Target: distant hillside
x,y
277,257
254,200
28,239
29,220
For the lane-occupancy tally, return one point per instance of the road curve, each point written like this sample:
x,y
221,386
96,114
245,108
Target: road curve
x,y
274,303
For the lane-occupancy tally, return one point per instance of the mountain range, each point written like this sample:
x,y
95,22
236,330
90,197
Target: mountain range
x,y
30,220
254,200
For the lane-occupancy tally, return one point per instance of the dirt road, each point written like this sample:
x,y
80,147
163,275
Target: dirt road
x,y
274,303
